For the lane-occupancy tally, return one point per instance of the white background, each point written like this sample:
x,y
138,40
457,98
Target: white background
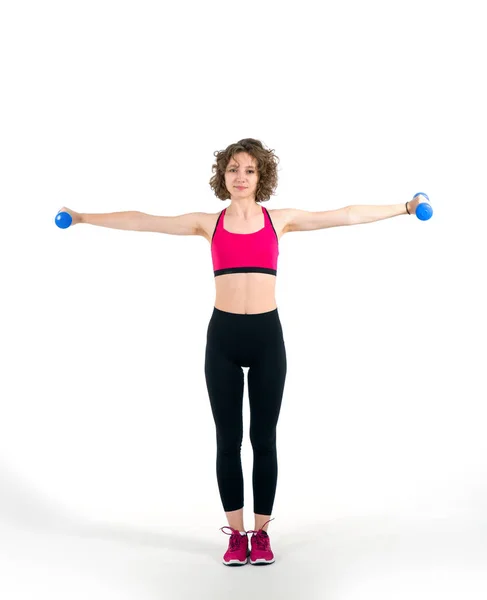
x,y
105,419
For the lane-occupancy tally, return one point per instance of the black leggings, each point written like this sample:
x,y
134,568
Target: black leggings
x,y
255,341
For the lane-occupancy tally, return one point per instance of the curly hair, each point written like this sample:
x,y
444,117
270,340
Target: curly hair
x,y
267,163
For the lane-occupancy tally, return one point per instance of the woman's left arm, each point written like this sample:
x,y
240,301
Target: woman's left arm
x,y
364,213
304,220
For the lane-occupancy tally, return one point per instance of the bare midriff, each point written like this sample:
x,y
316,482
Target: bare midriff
x,y
246,293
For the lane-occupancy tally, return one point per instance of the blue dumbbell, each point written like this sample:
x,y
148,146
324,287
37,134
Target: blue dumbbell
x,y
423,210
64,220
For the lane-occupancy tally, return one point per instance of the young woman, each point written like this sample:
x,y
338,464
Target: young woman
x,y
245,329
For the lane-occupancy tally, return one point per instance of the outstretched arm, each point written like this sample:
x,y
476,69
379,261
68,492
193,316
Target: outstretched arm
x,y
303,220
132,220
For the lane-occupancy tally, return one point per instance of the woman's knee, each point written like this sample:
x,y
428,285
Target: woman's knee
x,y
228,441
263,443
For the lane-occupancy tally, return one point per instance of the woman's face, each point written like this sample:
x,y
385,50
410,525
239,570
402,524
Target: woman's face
x,y
241,172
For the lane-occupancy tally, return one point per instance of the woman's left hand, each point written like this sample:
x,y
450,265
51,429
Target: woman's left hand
x,y
413,204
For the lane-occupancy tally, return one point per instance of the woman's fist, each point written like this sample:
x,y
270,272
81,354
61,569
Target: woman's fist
x,y
74,215
415,202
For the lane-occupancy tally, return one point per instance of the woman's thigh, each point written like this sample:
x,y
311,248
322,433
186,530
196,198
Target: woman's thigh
x,y
266,380
225,384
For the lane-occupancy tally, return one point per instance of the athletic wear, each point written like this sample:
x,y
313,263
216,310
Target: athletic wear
x,y
245,252
238,548
260,547
255,341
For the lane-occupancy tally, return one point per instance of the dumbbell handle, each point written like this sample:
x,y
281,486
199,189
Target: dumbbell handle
x,y
424,211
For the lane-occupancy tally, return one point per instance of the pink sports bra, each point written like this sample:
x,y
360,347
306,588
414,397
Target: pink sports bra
x,y
245,252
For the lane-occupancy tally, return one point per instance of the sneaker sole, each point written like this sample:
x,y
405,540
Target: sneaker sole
x,y
262,561
234,563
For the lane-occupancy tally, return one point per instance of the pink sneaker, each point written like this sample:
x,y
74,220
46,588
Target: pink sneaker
x,y
261,553
238,548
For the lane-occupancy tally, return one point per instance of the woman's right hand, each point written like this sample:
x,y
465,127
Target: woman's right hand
x,y
74,215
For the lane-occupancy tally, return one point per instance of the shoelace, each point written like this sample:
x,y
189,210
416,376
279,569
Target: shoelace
x,y
261,538
235,538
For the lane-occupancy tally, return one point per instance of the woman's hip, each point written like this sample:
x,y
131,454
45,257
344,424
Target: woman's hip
x,y
244,335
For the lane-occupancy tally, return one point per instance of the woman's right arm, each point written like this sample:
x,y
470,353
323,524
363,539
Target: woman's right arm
x,y
187,224
128,220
